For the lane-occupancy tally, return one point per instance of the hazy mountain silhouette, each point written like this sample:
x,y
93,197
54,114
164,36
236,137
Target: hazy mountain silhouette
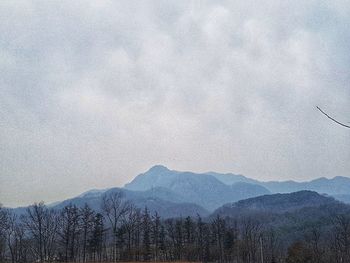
x,y
203,189
174,193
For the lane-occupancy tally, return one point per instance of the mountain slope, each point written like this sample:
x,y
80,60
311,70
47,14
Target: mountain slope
x,y
157,176
156,200
291,216
202,189
275,203
248,190
230,178
152,199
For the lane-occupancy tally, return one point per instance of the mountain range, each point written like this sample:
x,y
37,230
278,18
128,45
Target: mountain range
x,y
174,193
203,189
214,189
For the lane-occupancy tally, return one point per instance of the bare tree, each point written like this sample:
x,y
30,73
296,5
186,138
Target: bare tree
x,y
87,221
114,207
155,234
271,246
97,238
34,221
218,227
16,239
341,225
42,224
130,222
3,218
200,225
314,240
69,230
3,226
146,235
251,234
11,239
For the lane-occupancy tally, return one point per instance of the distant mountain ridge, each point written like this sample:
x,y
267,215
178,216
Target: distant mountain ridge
x,y
335,186
203,189
159,175
175,193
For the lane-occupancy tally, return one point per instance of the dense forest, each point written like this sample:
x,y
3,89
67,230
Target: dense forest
x,y
119,231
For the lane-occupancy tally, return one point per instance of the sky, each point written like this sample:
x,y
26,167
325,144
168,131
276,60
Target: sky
x,y
93,93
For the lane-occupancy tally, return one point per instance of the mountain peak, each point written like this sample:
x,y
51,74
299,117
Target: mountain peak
x,y
158,168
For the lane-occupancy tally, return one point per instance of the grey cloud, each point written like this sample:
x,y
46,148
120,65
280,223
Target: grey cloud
x,y
92,93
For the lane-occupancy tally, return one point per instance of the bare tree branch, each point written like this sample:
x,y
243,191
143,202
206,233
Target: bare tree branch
x,y
342,124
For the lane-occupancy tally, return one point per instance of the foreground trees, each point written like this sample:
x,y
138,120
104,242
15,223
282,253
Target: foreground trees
x,y
121,232
114,208
41,224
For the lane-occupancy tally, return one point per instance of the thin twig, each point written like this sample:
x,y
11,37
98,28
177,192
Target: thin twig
x,y
342,124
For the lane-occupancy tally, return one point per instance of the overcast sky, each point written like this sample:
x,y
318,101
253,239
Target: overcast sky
x,y
93,93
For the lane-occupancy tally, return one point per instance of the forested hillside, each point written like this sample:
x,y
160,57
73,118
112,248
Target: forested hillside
x,y
297,227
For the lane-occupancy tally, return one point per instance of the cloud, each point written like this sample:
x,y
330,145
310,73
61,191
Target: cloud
x,y
93,93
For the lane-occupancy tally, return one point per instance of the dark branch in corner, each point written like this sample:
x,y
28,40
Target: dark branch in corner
x,y
342,124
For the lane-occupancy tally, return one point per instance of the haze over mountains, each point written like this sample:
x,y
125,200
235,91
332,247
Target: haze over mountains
x,y
174,193
238,187
158,200
203,189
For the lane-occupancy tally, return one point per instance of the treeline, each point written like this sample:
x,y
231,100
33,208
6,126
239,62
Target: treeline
x,y
121,232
